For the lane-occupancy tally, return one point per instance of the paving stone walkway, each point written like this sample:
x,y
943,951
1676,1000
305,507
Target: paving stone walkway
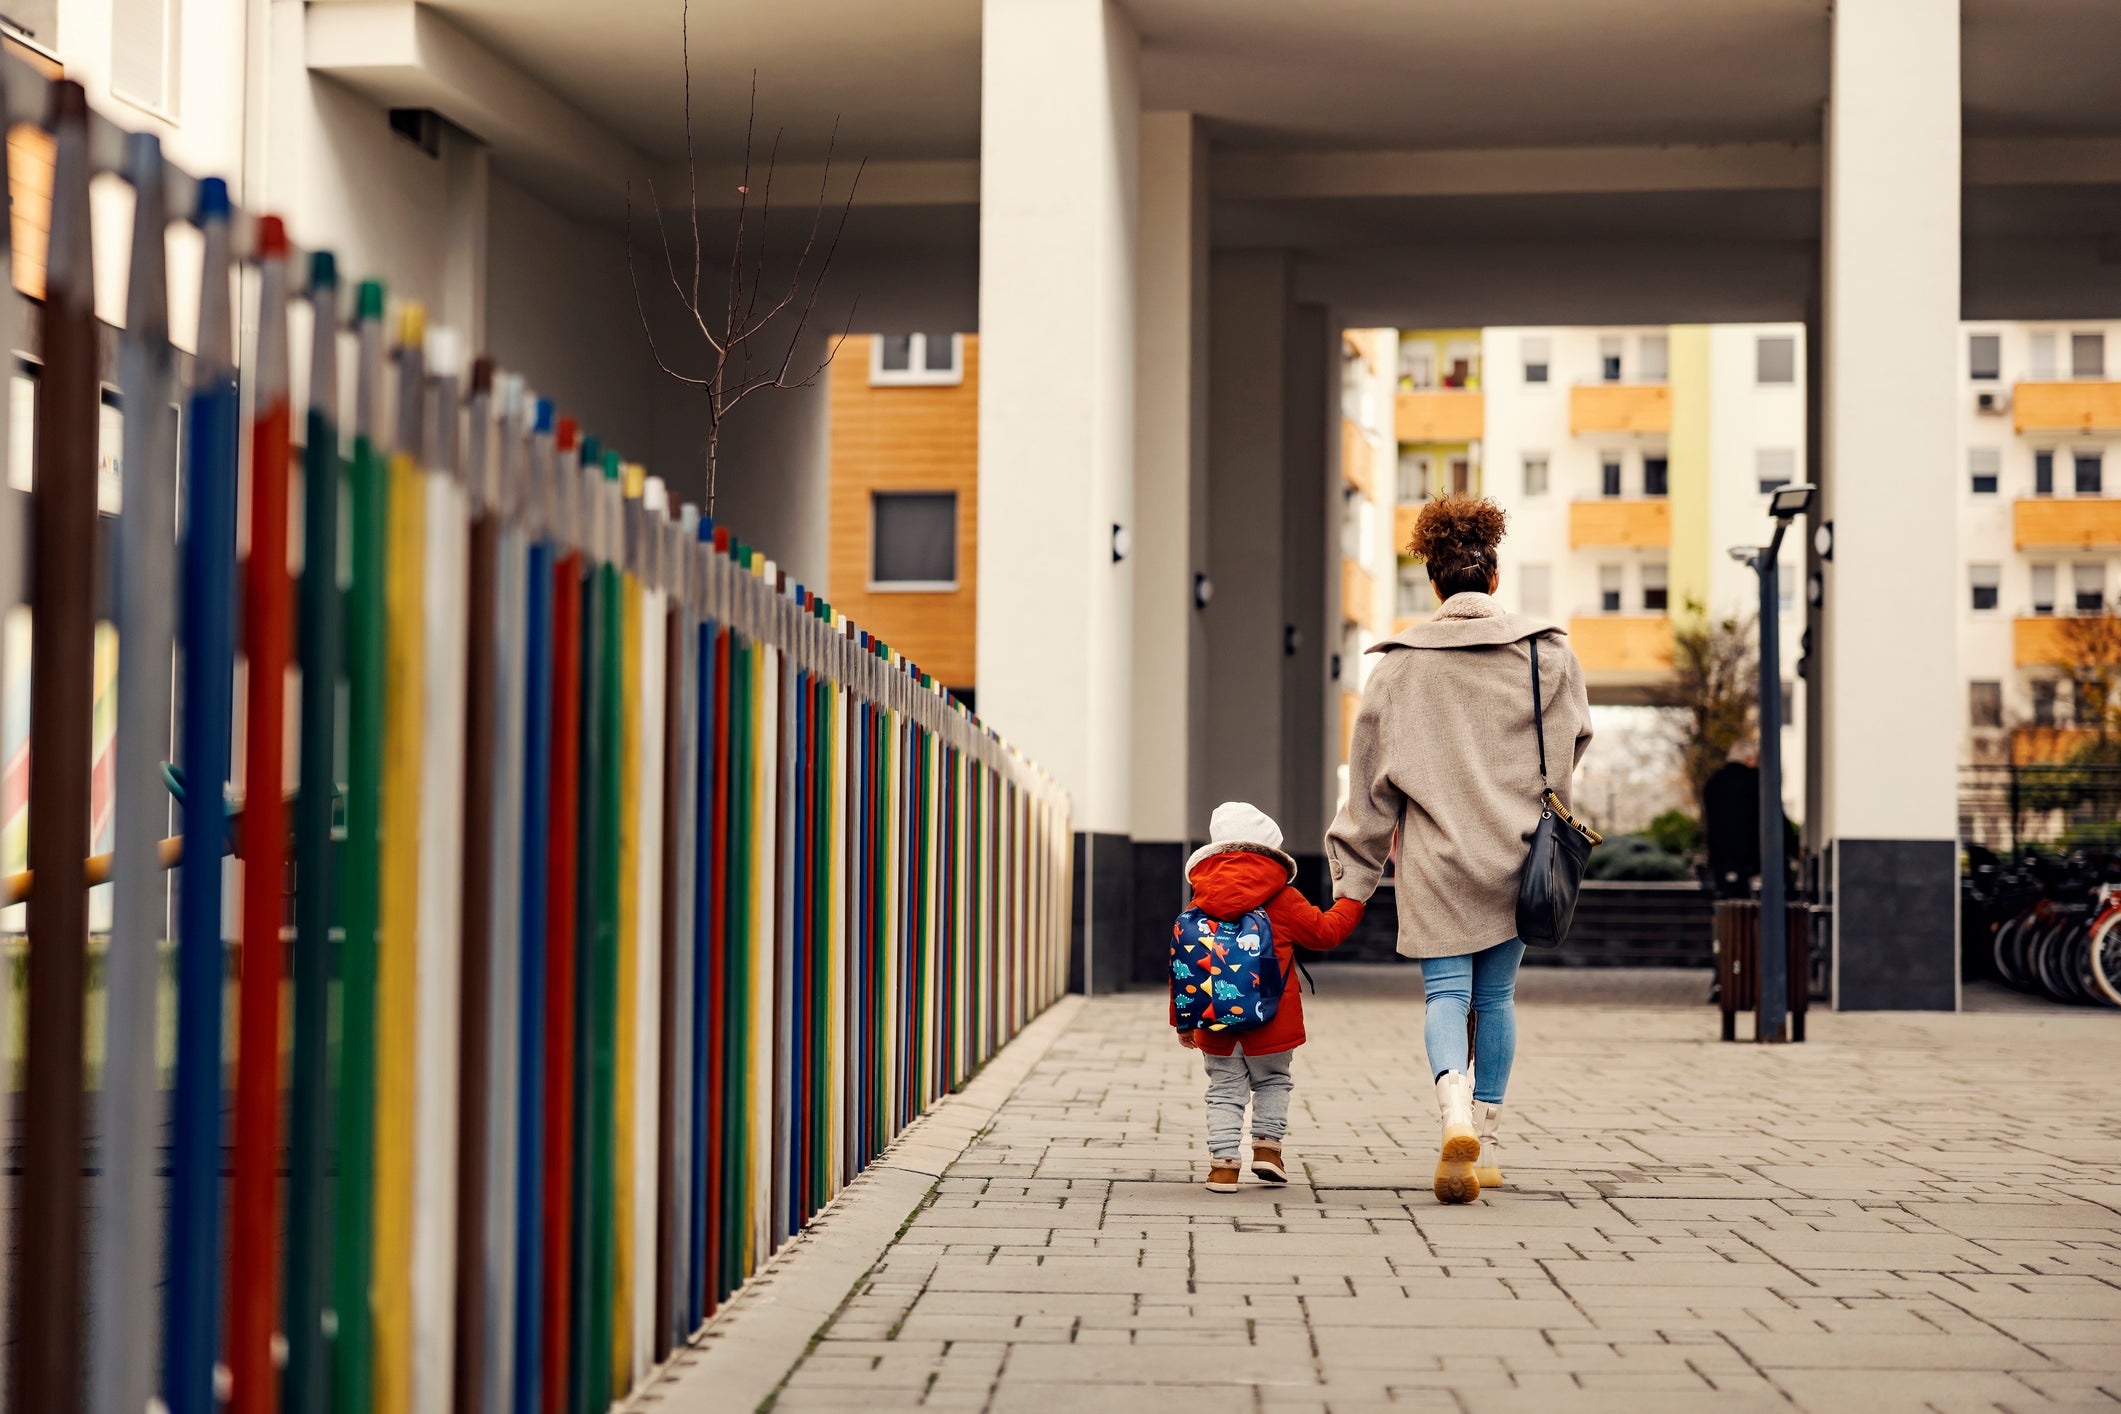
x,y
1908,1212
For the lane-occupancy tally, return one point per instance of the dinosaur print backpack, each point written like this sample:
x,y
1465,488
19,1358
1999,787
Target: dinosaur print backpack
x,y
1224,975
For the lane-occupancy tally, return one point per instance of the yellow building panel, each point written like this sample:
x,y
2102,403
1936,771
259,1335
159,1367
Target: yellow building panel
x,y
1358,594
2087,523
1358,460
2035,746
2066,407
2039,640
1440,415
1635,644
1620,407
1637,524
1403,518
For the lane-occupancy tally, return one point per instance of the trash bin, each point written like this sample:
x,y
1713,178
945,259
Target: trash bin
x,y
1738,963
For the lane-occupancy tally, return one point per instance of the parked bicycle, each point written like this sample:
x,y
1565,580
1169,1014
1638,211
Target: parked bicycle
x,y
2051,925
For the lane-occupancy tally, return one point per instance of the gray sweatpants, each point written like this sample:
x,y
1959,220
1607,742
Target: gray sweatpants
x,y
1231,1080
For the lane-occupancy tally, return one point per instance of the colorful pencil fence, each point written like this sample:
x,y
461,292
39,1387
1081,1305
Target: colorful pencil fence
x,y
601,903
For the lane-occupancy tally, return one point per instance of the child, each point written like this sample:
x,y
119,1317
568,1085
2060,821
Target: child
x,y
1242,868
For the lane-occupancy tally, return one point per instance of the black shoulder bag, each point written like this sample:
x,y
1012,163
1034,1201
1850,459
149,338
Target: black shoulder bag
x,y
1553,867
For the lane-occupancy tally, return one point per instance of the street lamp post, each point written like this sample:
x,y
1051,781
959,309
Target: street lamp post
x,y
1772,966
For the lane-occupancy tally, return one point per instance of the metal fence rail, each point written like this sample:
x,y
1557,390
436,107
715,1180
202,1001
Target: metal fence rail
x,y
2009,807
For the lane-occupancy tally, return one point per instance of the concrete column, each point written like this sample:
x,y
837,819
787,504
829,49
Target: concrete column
x,y
1170,663
1058,133
1310,562
1248,333
1893,586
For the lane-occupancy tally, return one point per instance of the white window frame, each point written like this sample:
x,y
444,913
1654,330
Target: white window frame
x,y
1760,343
1545,463
957,547
2049,572
2043,362
1984,462
1543,347
1614,347
1973,374
169,108
1984,575
1658,370
919,374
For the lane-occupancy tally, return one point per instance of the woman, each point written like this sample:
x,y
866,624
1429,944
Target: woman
x,y
1444,755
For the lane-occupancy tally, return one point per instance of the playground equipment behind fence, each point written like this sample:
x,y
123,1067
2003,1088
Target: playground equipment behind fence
x,y
623,902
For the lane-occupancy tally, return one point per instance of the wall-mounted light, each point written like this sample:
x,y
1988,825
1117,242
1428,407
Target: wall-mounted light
x,y
1823,540
1334,667
1203,590
1292,640
1122,543
1815,589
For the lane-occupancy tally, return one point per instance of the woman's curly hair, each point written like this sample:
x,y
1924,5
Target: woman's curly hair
x,y
1456,537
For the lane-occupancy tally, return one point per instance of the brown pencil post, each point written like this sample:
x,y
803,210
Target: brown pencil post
x,y
49,1339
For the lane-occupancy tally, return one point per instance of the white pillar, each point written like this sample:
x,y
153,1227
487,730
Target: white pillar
x,y
1248,344
1170,510
1058,122
1894,584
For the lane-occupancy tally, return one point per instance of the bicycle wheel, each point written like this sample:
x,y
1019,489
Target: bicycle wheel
x,y
2106,956
2005,948
2044,955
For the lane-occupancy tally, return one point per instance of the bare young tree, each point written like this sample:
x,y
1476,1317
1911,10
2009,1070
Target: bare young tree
x,y
1716,685
740,353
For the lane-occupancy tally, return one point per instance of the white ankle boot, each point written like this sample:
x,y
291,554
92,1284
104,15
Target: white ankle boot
x,y
1456,1181
1487,1119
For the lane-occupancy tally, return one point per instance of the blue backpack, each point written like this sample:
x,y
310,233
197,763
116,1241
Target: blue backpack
x,y
1224,974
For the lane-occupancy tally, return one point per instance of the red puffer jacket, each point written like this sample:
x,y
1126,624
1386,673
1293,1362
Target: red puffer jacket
x,y
1227,886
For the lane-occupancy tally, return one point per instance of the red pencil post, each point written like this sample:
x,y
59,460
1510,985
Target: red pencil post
x,y
253,1287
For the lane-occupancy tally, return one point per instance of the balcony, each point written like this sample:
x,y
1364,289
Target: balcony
x,y
2060,639
1632,648
1358,462
2083,523
1403,518
2066,407
1441,415
1620,407
1642,523
2042,746
1358,594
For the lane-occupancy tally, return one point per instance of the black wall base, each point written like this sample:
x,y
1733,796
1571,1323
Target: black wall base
x,y
1101,933
1896,925
1160,895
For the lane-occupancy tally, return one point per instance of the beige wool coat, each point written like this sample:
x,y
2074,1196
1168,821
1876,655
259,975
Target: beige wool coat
x,y
1444,754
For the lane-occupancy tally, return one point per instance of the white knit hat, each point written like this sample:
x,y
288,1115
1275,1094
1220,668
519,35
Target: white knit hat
x,y
1238,826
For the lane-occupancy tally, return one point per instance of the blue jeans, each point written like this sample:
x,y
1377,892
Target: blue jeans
x,y
1231,1081
1483,982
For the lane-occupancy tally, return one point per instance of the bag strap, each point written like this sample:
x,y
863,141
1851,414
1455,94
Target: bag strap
x,y
1539,715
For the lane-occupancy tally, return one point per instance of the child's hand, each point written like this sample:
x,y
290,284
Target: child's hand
x,y
1186,1039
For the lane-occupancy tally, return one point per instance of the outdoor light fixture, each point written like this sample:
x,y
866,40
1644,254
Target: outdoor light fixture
x,y
1789,502
1823,540
1203,590
1772,966
1292,640
1122,543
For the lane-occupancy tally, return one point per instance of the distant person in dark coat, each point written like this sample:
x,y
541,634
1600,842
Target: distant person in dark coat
x,y
1730,811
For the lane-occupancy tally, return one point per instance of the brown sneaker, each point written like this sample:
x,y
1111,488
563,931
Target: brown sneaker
x,y
1222,1175
1266,1161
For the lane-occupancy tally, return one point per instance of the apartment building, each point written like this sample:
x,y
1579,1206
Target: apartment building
x,y
1367,492
1630,460
2040,526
